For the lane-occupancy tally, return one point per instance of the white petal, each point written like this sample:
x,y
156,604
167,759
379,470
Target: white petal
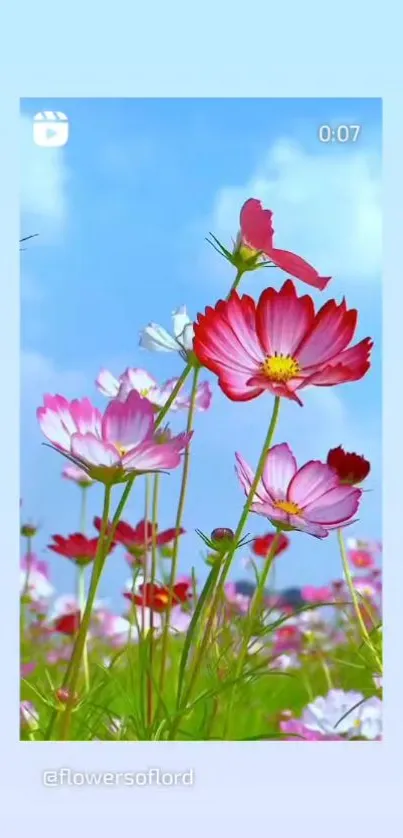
x,y
183,327
107,384
157,339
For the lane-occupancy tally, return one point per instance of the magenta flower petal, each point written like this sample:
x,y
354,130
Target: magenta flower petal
x,y
311,482
279,469
86,418
245,476
337,505
128,423
308,527
282,320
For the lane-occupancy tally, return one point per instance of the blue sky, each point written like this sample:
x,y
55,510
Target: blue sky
x,y
122,211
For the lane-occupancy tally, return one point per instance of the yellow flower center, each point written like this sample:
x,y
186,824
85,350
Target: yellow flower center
x,y
280,367
121,449
145,392
288,506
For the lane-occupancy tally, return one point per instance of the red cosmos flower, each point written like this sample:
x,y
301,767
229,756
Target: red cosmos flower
x,y
257,233
157,597
67,623
77,547
261,545
138,539
279,345
351,468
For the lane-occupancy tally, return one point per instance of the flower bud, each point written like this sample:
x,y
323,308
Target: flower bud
x,y
28,530
63,696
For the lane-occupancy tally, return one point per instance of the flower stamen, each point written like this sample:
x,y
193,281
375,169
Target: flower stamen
x,y
288,506
280,367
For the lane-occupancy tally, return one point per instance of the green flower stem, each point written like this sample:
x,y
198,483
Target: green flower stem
x,y
81,605
75,661
201,648
81,595
227,560
28,554
347,573
249,500
178,386
255,604
153,570
234,286
99,561
178,523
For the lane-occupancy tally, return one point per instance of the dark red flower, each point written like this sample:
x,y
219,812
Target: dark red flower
x,y
351,468
67,623
257,233
138,539
261,545
222,534
77,547
157,597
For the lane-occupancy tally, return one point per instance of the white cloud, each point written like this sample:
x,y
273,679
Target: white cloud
x,y
40,375
43,178
327,207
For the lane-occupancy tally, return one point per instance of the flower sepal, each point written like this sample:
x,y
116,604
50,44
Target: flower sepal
x,y
221,541
243,258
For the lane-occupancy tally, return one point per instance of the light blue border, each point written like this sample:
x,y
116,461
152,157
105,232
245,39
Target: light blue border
x,y
250,51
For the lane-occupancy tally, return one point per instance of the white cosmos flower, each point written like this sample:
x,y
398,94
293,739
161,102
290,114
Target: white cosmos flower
x,y
157,339
345,714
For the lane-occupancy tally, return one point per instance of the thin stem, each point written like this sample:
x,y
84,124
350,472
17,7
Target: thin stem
x,y
153,570
73,669
218,588
236,281
146,545
169,402
178,523
353,593
81,593
253,612
81,604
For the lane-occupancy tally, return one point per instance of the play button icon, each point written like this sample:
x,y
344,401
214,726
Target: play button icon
x,y
50,129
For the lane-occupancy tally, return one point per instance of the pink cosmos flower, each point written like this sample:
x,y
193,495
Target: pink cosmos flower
x,y
257,234
77,475
279,345
313,594
310,499
27,669
112,447
141,381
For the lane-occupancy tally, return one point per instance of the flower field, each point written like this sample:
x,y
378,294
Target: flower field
x,y
191,660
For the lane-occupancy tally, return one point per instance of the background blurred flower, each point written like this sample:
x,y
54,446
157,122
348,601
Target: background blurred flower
x,y
344,713
77,475
262,545
77,547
